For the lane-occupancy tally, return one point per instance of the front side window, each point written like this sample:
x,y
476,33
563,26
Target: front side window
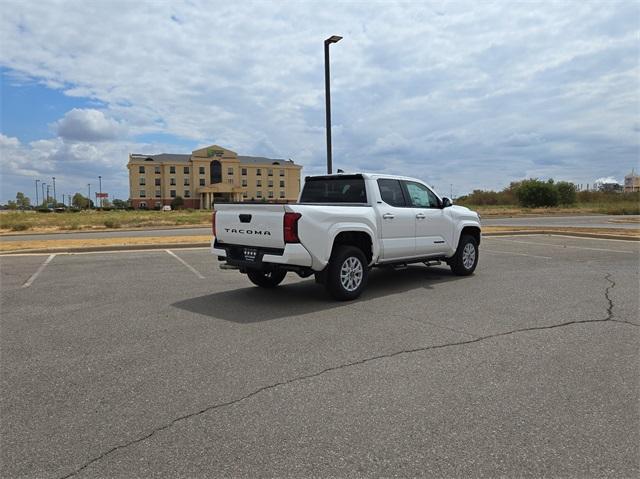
x,y
420,196
281,172
172,170
142,194
391,192
244,172
142,180
281,194
186,170
186,182
173,193
270,172
244,182
173,181
201,170
259,183
281,183
157,170
201,181
258,172
270,183
230,171
187,194
158,194
157,181
141,169
258,194
270,194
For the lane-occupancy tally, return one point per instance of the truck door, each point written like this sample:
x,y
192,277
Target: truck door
x,y
397,221
432,225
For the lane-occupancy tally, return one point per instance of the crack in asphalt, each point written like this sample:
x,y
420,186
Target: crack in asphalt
x,y
213,407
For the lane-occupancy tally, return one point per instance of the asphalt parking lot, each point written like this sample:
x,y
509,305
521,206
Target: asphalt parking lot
x,y
158,364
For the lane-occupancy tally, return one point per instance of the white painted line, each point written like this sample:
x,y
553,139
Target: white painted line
x,y
40,270
67,253
191,268
484,250
566,246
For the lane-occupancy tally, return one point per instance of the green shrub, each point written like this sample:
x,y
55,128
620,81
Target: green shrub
x,y
20,227
534,193
567,193
112,224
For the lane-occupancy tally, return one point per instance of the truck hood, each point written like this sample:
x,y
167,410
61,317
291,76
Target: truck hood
x,y
464,212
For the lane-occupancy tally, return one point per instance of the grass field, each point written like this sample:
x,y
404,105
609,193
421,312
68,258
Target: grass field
x,y
28,221
11,221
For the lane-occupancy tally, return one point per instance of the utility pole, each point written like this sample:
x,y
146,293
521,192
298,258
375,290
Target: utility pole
x,y
327,90
37,181
55,199
451,191
89,198
44,201
48,195
100,182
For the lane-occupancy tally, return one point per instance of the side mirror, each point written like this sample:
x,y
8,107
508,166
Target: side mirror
x,y
446,202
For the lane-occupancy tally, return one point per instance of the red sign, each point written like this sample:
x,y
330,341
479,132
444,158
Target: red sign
x,y
102,195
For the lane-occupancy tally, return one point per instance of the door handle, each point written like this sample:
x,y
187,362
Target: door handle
x,y
388,216
420,216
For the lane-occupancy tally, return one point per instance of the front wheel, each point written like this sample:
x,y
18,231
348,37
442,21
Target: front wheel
x,y
266,279
347,273
464,262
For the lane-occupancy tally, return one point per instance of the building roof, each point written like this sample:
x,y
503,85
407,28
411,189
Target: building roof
x,y
175,158
262,159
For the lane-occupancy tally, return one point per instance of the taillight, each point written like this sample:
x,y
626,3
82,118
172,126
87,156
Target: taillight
x,y
213,223
290,227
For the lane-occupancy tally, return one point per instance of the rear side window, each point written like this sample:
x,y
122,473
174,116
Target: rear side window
x,y
391,192
346,189
421,196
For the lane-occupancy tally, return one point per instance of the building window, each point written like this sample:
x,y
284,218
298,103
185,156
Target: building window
x,y
187,194
270,172
141,169
201,170
158,204
173,182
201,181
158,194
142,181
230,170
270,183
244,172
258,194
258,182
157,181
270,194
244,182
185,170
143,204
281,172
281,194
258,172
281,183
172,170
142,194
186,182
157,170
245,194
173,193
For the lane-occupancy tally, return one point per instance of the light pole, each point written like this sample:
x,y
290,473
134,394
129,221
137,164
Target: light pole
x,y
55,200
44,201
89,198
48,195
37,181
100,182
327,42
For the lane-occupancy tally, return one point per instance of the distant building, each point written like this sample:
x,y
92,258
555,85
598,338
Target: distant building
x,y
631,182
208,175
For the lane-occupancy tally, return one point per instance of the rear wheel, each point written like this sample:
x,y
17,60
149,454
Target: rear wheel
x,y
266,279
464,262
347,273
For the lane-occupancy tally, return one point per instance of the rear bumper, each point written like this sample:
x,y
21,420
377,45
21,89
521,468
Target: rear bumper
x,y
293,254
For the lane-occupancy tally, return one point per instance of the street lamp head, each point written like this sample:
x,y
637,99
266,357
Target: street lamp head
x,y
333,39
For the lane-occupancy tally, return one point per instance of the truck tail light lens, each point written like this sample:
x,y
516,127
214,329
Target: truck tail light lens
x,y
290,227
213,223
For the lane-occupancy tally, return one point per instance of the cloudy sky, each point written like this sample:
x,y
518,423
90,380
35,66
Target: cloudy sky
x,y
473,94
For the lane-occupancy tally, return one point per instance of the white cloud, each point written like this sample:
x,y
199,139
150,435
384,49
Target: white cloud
x,y
475,94
88,125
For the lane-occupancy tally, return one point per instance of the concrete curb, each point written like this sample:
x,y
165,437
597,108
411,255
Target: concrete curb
x,y
162,246
563,233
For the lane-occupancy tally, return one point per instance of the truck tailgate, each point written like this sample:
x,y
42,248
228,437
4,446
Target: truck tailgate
x,y
250,225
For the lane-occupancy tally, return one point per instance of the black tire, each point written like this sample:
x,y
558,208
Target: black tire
x,y
464,262
347,273
266,279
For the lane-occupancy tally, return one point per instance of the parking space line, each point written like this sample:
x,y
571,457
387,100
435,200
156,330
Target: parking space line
x,y
484,250
566,246
33,277
191,268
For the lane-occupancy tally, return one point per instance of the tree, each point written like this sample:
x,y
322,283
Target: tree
x,y
22,201
566,192
177,203
119,204
79,201
534,193
12,205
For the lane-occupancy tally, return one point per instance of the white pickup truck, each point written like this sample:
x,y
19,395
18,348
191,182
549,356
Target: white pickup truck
x,y
341,227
